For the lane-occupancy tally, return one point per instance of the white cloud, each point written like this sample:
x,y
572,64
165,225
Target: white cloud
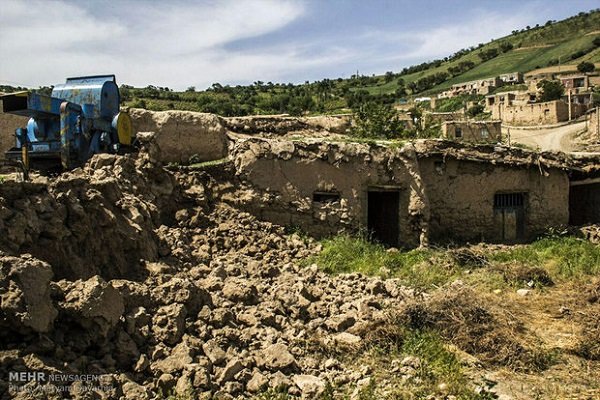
x,y
166,43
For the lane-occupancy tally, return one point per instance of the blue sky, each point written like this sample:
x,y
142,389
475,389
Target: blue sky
x,y
195,43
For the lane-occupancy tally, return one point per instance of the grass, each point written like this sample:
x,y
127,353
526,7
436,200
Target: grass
x,y
545,260
435,369
211,163
564,257
418,268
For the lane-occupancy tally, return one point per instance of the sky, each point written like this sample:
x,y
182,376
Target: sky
x,y
178,44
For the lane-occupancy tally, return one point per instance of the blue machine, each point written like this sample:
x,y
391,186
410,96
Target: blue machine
x,y
80,119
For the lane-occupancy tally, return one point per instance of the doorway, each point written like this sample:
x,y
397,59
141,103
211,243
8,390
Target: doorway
x,y
509,213
383,216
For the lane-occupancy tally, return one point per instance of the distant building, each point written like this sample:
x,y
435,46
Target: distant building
x,y
581,81
473,131
512,78
547,113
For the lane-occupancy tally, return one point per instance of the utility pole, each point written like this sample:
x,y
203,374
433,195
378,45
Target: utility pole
x,y
570,111
598,122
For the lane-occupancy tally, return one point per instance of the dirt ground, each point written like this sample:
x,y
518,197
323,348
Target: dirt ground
x,y
547,139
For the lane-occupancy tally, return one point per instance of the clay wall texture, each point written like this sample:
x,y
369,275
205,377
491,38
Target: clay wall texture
x,y
183,135
444,197
461,198
473,131
547,113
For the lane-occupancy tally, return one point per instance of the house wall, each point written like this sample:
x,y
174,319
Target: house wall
x,y
461,198
547,113
471,131
284,177
443,200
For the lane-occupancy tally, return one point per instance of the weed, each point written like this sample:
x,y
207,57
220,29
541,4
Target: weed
x,y
563,256
421,268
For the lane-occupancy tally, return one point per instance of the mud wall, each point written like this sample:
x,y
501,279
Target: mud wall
x,y
286,176
8,124
473,131
183,136
547,113
461,196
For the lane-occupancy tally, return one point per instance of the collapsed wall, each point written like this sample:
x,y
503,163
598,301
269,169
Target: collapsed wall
x,y
183,136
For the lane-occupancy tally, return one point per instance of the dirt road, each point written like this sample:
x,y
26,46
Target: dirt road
x,y
553,138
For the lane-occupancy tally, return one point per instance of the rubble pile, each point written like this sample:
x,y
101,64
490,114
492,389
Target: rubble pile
x,y
124,270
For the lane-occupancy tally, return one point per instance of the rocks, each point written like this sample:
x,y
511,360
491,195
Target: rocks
x,y
257,383
213,303
238,290
347,339
277,357
310,386
169,323
180,356
95,304
25,294
214,353
524,292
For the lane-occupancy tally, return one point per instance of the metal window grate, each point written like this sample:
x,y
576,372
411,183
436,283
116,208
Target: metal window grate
x,y
507,200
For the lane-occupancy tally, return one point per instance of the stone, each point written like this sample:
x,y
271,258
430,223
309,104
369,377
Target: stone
x,y
310,386
230,370
277,357
95,304
27,305
176,361
347,339
257,383
214,352
524,292
169,323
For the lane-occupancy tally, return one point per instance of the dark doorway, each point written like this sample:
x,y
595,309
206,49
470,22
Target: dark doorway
x,y
584,203
383,216
509,213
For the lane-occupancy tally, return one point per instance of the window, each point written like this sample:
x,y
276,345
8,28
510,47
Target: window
x,y
458,132
485,133
508,200
326,197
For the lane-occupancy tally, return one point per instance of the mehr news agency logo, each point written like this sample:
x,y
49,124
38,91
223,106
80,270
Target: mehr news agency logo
x,y
54,382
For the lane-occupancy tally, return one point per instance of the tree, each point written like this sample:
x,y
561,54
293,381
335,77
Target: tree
x,y
373,120
585,66
505,46
550,90
191,89
475,110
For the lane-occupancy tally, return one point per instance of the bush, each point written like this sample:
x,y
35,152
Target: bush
x,y
585,66
373,120
551,90
475,110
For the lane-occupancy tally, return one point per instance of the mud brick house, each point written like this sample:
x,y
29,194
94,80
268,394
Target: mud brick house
x,y
409,195
473,131
547,113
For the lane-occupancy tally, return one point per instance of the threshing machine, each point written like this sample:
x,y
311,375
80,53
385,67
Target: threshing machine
x,y
81,118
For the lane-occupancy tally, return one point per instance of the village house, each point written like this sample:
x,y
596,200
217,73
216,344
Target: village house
x,y
421,192
473,131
